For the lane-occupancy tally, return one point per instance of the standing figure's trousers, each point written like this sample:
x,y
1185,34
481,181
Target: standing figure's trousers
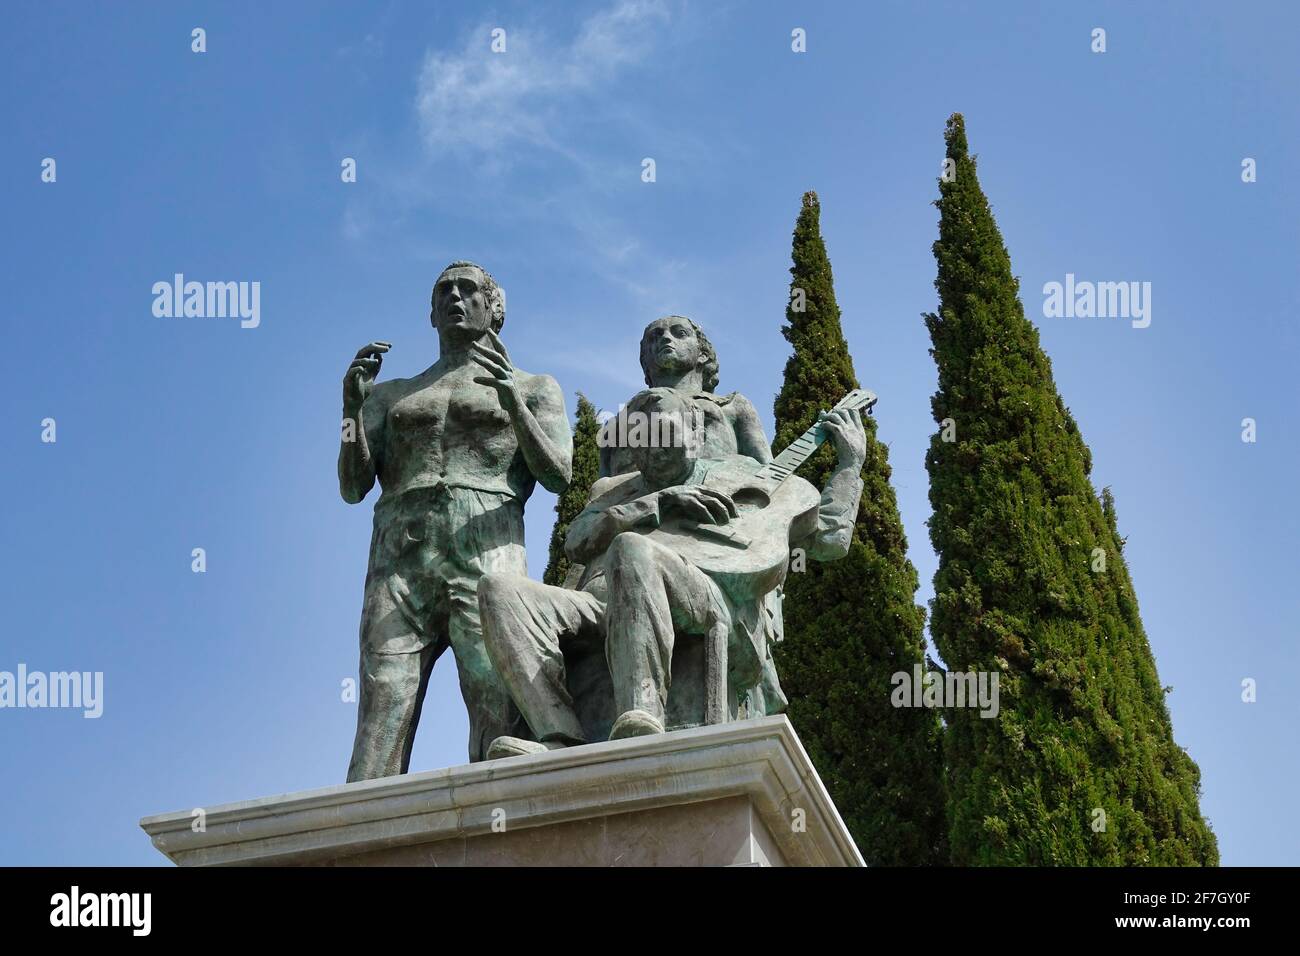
x,y
429,549
647,596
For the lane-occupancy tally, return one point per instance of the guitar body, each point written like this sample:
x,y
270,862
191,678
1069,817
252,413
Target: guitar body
x,y
749,555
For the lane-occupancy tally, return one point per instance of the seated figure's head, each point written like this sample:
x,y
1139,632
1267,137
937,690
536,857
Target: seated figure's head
x,y
672,347
466,302
665,436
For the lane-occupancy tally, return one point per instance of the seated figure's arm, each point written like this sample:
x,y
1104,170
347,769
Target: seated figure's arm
x,y
750,440
835,516
613,510
843,493
606,516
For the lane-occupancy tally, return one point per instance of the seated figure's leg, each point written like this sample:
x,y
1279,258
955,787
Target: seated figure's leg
x,y
653,593
524,623
492,711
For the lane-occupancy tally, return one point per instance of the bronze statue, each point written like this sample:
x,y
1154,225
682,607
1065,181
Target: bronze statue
x,y
457,450
675,353
645,585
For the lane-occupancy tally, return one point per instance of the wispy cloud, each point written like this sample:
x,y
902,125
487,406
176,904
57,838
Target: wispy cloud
x,y
557,123
475,100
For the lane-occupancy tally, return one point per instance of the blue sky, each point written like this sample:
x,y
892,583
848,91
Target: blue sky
x,y
178,433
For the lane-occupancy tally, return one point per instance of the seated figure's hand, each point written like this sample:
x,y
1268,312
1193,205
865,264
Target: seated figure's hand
x,y
696,503
844,425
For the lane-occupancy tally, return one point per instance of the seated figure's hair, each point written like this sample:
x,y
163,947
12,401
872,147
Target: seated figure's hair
x,y
710,354
667,400
673,410
495,295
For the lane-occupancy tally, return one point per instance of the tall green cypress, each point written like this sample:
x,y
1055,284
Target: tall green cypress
x,y
571,501
851,624
1080,765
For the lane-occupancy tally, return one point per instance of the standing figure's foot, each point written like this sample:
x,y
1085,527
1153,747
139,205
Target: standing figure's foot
x,y
636,723
517,747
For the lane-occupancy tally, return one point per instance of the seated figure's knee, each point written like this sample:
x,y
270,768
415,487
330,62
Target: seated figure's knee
x,y
630,548
635,563
496,588
500,608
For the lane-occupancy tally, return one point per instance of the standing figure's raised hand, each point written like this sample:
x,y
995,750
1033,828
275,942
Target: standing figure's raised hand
x,y
501,372
360,376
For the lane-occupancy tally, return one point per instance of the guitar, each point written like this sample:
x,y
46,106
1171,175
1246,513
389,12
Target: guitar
x,y
748,556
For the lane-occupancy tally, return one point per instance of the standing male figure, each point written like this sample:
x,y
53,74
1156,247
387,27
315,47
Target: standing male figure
x,y
457,451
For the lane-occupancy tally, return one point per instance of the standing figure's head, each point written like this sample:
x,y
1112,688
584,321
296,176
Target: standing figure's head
x,y
665,447
466,302
674,349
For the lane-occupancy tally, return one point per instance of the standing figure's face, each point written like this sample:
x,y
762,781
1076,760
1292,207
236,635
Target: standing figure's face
x,y
460,305
670,346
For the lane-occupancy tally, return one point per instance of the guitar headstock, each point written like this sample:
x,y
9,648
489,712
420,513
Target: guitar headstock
x,y
860,399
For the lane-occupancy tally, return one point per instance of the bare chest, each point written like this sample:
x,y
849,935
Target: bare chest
x,y
719,431
451,410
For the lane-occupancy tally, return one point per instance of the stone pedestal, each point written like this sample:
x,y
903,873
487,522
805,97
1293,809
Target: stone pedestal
x,y
742,793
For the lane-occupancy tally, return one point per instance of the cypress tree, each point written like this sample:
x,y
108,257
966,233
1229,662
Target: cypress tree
x,y
571,501
1080,766
851,624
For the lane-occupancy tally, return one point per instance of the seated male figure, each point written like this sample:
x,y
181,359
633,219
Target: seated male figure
x,y
637,596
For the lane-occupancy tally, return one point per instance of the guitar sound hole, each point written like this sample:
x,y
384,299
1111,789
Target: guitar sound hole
x,y
751,499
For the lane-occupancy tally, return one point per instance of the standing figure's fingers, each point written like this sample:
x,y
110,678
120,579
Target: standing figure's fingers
x,y
491,364
481,350
499,345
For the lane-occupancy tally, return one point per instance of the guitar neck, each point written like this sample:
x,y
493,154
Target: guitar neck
x,y
801,449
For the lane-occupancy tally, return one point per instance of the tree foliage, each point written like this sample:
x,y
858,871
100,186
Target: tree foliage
x,y
851,624
1080,767
571,501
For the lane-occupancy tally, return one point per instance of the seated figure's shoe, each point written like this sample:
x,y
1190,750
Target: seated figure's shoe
x,y
517,747
635,723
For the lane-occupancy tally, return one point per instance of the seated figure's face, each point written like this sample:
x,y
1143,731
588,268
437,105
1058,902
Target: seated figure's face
x,y
669,447
669,345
